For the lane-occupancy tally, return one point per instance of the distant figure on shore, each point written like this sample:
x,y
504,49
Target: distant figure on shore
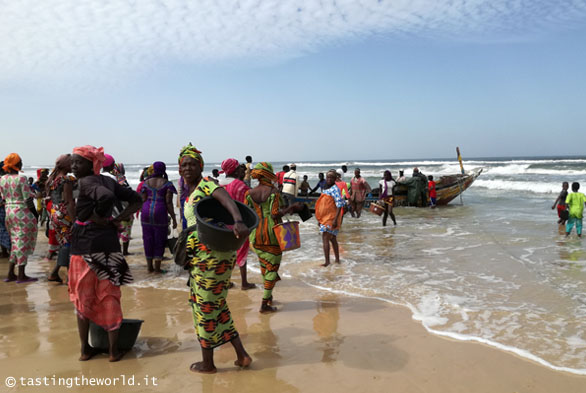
x,y
432,192
328,212
247,170
215,173
4,235
209,270
401,177
342,171
291,185
321,184
560,202
60,186
269,206
304,187
237,189
359,189
117,170
575,202
40,188
97,268
157,205
280,175
21,217
422,187
386,195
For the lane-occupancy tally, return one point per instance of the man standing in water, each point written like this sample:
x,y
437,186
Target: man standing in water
x,y
421,188
358,193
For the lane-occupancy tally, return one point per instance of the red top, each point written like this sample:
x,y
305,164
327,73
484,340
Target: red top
x,y
280,176
431,187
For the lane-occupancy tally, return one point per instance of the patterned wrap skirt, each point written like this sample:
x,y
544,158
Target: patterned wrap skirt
x,y
94,299
209,277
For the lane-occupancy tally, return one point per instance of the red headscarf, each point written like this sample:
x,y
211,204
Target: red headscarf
x,y
229,166
11,161
94,154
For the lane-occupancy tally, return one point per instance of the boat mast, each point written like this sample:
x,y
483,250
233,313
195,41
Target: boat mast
x,y
462,170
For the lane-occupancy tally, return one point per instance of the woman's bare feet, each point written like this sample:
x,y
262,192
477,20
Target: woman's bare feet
x,y
265,308
199,367
244,362
115,357
88,354
247,286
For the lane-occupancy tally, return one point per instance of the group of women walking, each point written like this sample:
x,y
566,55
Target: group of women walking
x,y
87,228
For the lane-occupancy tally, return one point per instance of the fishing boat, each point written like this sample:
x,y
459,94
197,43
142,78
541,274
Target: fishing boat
x,y
448,187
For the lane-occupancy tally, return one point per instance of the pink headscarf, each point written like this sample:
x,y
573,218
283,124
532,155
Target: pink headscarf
x,y
108,160
229,166
94,154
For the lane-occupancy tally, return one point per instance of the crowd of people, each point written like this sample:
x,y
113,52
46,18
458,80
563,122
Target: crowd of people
x,y
88,219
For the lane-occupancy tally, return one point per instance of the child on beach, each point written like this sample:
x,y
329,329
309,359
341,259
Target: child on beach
x,y
561,204
431,188
575,202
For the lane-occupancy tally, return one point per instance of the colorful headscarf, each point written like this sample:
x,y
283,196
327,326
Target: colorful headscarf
x,y
158,168
62,162
108,160
94,154
229,166
11,161
263,171
41,172
191,151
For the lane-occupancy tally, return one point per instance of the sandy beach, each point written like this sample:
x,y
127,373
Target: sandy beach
x,y
316,342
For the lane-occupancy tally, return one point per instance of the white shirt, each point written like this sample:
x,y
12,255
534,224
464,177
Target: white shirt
x,y
390,184
291,183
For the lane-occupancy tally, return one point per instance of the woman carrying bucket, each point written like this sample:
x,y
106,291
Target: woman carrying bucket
x,y
209,270
266,201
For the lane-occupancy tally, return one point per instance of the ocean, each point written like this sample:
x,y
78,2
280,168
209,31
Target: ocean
x,y
492,267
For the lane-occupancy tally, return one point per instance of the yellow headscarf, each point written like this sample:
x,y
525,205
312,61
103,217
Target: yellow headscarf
x,y
191,151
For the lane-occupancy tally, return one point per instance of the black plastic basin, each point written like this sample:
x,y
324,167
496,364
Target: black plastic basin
x,y
126,337
211,215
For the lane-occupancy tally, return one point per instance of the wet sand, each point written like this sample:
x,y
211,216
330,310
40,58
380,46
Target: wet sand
x,y
316,342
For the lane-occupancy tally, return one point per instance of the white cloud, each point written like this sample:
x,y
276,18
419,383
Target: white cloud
x,y
102,40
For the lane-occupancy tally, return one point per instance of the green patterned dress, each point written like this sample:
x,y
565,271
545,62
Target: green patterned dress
x,y
209,277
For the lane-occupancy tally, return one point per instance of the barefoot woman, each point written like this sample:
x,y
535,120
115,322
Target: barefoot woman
x,y
266,201
209,270
328,212
97,267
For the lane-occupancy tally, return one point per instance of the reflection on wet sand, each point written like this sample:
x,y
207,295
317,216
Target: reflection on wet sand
x,y
325,324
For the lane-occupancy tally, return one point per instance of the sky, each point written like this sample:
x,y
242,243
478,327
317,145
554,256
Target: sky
x,y
285,80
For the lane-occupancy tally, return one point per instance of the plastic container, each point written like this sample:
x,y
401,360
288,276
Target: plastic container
x,y
210,213
126,337
287,234
376,209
